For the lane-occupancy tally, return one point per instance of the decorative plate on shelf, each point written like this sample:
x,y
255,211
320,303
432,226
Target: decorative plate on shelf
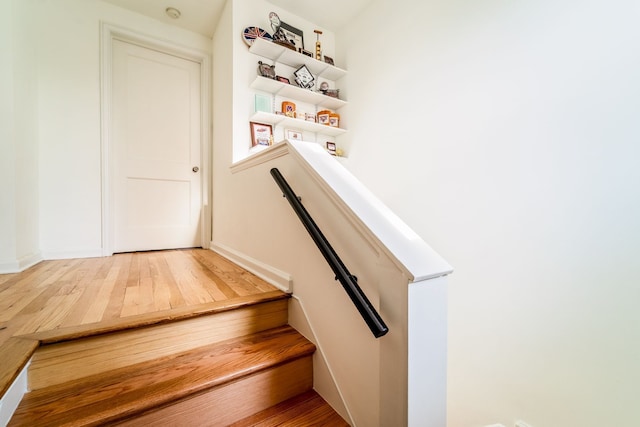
x,y
251,33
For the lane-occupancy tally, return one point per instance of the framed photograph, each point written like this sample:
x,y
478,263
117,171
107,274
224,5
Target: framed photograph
x,y
294,135
323,117
293,35
304,78
328,60
260,133
307,53
283,80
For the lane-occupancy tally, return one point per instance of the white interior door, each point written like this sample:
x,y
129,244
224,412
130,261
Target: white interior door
x,y
156,150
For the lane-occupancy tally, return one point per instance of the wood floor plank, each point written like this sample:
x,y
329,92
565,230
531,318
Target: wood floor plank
x,y
14,303
89,287
215,284
34,314
6,280
116,298
96,310
231,274
176,299
16,280
58,308
182,270
27,288
160,285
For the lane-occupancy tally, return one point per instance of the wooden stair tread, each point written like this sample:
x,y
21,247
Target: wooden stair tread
x,y
155,318
127,391
72,360
306,409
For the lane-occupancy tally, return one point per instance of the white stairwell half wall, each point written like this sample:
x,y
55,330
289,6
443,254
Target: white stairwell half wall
x,y
398,379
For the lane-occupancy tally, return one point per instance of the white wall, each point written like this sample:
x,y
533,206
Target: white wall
x,y
7,148
63,116
506,134
26,137
19,245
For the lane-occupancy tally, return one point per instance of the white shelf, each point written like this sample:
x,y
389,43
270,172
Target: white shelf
x,y
297,93
282,55
300,124
292,58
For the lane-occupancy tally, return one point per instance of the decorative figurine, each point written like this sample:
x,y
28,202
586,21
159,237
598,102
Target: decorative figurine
x,y
318,49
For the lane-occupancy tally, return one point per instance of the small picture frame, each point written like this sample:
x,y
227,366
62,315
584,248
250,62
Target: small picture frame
x,y
266,70
261,133
283,80
323,118
304,78
331,148
293,36
328,60
294,135
307,53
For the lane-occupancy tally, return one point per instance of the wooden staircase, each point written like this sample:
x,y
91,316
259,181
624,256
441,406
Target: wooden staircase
x,y
243,366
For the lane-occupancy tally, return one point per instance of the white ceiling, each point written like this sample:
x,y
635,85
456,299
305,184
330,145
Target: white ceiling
x,y
201,16
329,14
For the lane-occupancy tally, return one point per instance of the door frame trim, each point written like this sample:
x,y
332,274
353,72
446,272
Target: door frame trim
x,y
109,33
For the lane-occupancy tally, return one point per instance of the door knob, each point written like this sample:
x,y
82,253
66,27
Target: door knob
x,y
195,169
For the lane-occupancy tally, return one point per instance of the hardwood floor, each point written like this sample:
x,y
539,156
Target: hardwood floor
x,y
63,299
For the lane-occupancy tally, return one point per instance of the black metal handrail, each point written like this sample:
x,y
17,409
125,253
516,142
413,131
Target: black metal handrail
x,y
349,282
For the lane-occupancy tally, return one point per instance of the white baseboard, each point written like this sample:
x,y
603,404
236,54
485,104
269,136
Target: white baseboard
x,y
277,278
20,264
88,253
11,399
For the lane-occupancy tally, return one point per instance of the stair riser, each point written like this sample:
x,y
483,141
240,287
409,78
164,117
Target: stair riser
x,y
58,363
233,401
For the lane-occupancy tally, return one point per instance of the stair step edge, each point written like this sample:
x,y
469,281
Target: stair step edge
x,y
138,388
151,319
305,409
65,361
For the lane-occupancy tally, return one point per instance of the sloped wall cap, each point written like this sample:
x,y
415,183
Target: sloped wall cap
x,y
400,242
